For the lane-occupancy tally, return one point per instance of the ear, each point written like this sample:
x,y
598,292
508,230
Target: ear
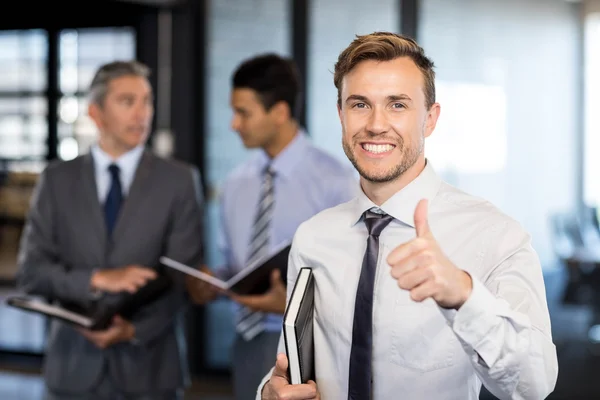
x,y
95,113
280,112
339,110
432,118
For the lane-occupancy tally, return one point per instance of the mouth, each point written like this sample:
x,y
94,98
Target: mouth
x,y
377,149
137,130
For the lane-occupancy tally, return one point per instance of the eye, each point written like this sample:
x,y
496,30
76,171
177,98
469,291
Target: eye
x,y
398,106
359,105
128,101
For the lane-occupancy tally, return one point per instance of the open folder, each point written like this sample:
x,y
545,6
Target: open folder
x,y
254,279
100,315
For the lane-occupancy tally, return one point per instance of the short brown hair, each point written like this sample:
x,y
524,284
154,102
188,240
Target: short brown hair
x,y
385,46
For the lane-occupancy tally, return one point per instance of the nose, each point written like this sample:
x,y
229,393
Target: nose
x,y
377,123
235,122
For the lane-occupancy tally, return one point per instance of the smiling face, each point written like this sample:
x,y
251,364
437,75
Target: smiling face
x,y
385,119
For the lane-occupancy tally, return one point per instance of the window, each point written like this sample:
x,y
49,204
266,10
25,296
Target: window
x,y
591,171
82,51
23,81
24,130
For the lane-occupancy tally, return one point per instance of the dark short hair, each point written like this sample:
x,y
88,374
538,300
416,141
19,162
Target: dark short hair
x,y
385,46
272,77
113,70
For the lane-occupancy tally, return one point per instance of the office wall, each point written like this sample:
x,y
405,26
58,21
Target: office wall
x,y
333,25
508,76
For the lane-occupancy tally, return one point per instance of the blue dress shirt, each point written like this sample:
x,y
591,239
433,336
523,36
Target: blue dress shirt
x,y
307,181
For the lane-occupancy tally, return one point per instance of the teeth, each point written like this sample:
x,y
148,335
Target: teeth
x,y
377,148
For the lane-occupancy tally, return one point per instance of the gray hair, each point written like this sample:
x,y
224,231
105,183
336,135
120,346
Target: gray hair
x,y
113,70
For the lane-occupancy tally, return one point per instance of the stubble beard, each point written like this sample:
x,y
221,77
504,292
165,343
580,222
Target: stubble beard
x,y
410,156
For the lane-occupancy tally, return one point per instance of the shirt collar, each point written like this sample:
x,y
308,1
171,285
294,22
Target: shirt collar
x,y
402,205
283,164
127,162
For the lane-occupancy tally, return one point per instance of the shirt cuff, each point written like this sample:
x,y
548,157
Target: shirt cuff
x,y
265,380
474,320
95,294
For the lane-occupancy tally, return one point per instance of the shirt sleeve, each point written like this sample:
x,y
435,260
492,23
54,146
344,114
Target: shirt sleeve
x,y
224,272
504,326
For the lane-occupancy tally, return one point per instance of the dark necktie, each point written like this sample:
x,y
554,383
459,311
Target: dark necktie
x,y
250,324
359,384
114,199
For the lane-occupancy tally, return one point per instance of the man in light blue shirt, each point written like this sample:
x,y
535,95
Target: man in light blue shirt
x,y
265,199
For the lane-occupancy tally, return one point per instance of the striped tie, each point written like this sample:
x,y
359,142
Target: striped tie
x,y
249,324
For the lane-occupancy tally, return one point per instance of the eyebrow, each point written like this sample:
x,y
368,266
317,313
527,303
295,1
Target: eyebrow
x,y
358,97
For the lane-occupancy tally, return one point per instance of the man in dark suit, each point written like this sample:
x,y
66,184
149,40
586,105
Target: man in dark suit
x,y
97,227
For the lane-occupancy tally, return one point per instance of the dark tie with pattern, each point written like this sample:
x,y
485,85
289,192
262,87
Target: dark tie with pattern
x,y
114,199
249,324
359,384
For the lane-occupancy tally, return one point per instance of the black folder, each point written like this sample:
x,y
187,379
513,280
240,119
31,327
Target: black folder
x,y
100,314
252,280
298,329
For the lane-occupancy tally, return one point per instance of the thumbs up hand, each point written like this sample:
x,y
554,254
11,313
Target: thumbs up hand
x,y
421,267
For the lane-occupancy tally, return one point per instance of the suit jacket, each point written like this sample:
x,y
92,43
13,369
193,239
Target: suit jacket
x,y
65,240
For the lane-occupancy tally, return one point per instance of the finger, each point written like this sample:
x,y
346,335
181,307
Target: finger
x,y
421,221
299,392
144,272
251,301
131,287
405,250
281,367
314,385
86,333
414,278
424,291
423,258
140,281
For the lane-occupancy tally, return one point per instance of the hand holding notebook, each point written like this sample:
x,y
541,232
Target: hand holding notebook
x,y
119,331
99,316
272,301
279,387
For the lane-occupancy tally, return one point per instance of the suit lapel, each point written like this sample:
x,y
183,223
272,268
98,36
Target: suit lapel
x,y
91,207
137,194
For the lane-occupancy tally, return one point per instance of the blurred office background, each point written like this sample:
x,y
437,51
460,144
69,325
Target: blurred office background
x,y
518,80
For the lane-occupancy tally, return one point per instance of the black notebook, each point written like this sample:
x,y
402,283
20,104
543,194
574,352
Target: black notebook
x,y
298,329
99,316
252,280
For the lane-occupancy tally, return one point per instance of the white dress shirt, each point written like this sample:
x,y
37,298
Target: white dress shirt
x,y
127,164
500,336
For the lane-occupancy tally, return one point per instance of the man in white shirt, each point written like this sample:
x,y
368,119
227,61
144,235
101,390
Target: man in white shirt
x,y
422,291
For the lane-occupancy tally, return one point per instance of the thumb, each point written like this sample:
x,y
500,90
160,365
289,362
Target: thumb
x,y
281,367
275,277
421,221
117,321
